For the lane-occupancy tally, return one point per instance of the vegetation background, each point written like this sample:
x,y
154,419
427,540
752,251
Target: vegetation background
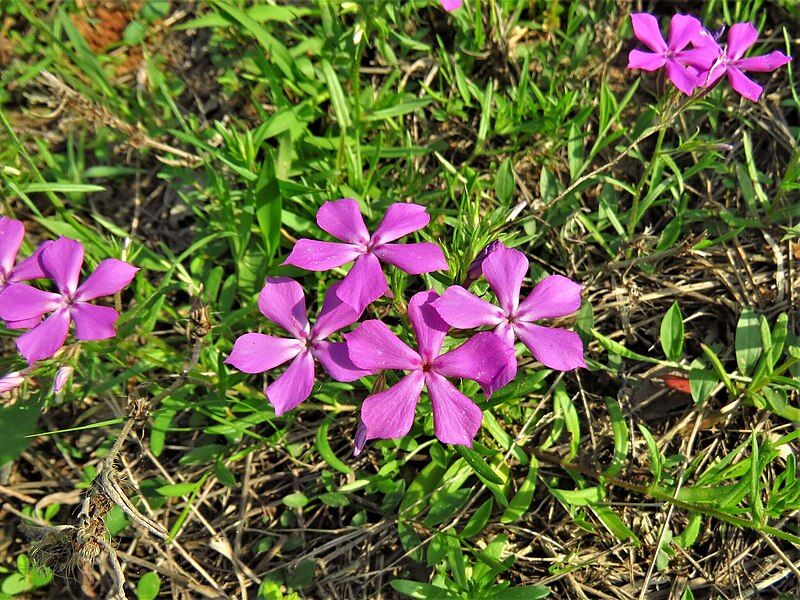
x,y
199,139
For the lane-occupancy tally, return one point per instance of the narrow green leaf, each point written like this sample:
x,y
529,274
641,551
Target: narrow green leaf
x,y
748,341
325,450
478,465
522,499
478,519
672,332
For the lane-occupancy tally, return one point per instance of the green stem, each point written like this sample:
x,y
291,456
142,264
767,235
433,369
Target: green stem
x,y
634,219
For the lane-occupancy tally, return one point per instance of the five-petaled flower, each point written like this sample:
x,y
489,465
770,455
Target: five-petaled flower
x,y
365,282
682,65
390,413
61,261
12,233
554,296
282,302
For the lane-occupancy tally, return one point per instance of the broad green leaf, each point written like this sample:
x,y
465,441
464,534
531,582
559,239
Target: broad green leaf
x,y
521,592
672,332
296,500
701,382
478,519
148,586
748,341
504,185
422,591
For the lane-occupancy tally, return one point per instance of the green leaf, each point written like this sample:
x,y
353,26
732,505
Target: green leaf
x,y
177,489
504,185
478,520
701,383
296,500
621,438
478,465
325,450
522,592
748,341
337,95
148,586
446,506
134,33
585,497
522,499
617,348
574,150
423,591
653,453
16,423
672,333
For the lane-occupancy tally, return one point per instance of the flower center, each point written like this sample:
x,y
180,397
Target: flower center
x,y
427,366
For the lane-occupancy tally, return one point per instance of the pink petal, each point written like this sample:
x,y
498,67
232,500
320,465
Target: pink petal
x,y
389,414
31,267
335,315
282,302
708,79
400,219
699,58
62,376
464,310
505,331
335,359
256,352
482,358
343,220
558,349
361,438
363,284
554,296
681,77
451,5
505,269
93,322
429,327
682,30
743,84
456,418
46,338
422,257
11,381
647,31
294,385
740,37
62,261
647,61
110,276
475,269
20,302
24,324
374,347
11,234
313,255
763,64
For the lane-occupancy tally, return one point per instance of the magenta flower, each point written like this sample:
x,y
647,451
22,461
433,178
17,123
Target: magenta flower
x,y
451,5
11,381
390,414
11,234
283,303
366,282
681,65
475,269
741,37
554,296
61,261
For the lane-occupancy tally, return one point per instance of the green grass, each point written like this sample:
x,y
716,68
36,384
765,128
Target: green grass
x,y
200,144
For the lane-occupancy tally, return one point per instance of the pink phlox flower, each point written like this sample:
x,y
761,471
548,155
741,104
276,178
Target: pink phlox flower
x,y
389,414
682,65
365,282
451,5
11,381
12,233
554,296
282,302
475,269
730,61
61,261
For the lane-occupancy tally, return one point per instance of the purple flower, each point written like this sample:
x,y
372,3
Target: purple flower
x,y
741,37
366,282
11,381
11,234
475,269
390,413
283,303
62,376
62,261
451,5
361,438
681,65
554,296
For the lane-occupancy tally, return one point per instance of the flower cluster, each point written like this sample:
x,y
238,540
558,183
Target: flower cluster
x,y
24,307
487,357
704,63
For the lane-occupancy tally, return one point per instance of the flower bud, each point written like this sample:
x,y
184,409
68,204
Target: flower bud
x,y
62,376
475,269
11,381
361,439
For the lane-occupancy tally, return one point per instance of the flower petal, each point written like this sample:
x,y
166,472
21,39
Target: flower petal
x,y
743,84
256,352
31,267
44,340
456,418
701,59
647,31
682,30
451,5
558,349
463,310
389,414
19,302
740,37
554,296
12,233
93,322
110,276
343,220
400,219
314,255
294,385
281,300
765,63
647,61
24,323
505,269
482,358
374,347
335,359
429,327
361,438
62,261
363,284
681,77
475,269
335,315
422,257
11,381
